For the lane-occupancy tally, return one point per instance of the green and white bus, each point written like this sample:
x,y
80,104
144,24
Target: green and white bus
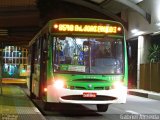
x,y
79,61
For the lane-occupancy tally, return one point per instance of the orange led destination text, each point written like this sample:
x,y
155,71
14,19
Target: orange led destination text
x,y
86,28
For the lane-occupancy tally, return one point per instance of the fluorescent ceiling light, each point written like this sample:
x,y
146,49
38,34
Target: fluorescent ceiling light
x,y
134,31
158,24
136,1
137,32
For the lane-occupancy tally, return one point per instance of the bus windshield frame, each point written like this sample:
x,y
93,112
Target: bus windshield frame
x,y
88,55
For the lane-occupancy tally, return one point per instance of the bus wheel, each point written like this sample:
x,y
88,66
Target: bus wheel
x,y
102,107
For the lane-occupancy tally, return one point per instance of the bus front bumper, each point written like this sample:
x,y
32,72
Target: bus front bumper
x,y
86,96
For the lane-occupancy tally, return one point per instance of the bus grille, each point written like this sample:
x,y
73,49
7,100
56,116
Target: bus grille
x,y
83,88
80,97
89,80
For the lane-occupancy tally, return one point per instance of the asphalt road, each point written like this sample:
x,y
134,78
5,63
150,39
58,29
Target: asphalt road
x,y
136,108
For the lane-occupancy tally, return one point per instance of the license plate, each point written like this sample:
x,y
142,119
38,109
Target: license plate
x,y
89,95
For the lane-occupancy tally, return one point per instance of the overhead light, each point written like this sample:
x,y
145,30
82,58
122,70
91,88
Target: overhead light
x,y
158,23
3,32
136,1
137,32
134,31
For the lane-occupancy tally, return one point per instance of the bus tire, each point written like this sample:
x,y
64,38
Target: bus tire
x,y
102,107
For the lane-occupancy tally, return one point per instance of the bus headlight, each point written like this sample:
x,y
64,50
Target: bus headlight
x,y
59,84
118,85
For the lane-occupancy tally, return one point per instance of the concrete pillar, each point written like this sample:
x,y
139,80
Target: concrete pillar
x,y
144,43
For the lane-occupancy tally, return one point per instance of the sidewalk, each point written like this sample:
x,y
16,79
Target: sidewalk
x,y
144,93
15,105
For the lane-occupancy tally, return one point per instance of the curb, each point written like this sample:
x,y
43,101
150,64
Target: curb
x,y
145,95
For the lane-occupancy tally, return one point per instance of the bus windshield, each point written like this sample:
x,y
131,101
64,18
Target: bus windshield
x,y
88,55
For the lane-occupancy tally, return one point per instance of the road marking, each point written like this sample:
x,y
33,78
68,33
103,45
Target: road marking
x,y
132,112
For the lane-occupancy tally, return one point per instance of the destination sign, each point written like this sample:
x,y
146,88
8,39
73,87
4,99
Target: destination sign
x,y
86,28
